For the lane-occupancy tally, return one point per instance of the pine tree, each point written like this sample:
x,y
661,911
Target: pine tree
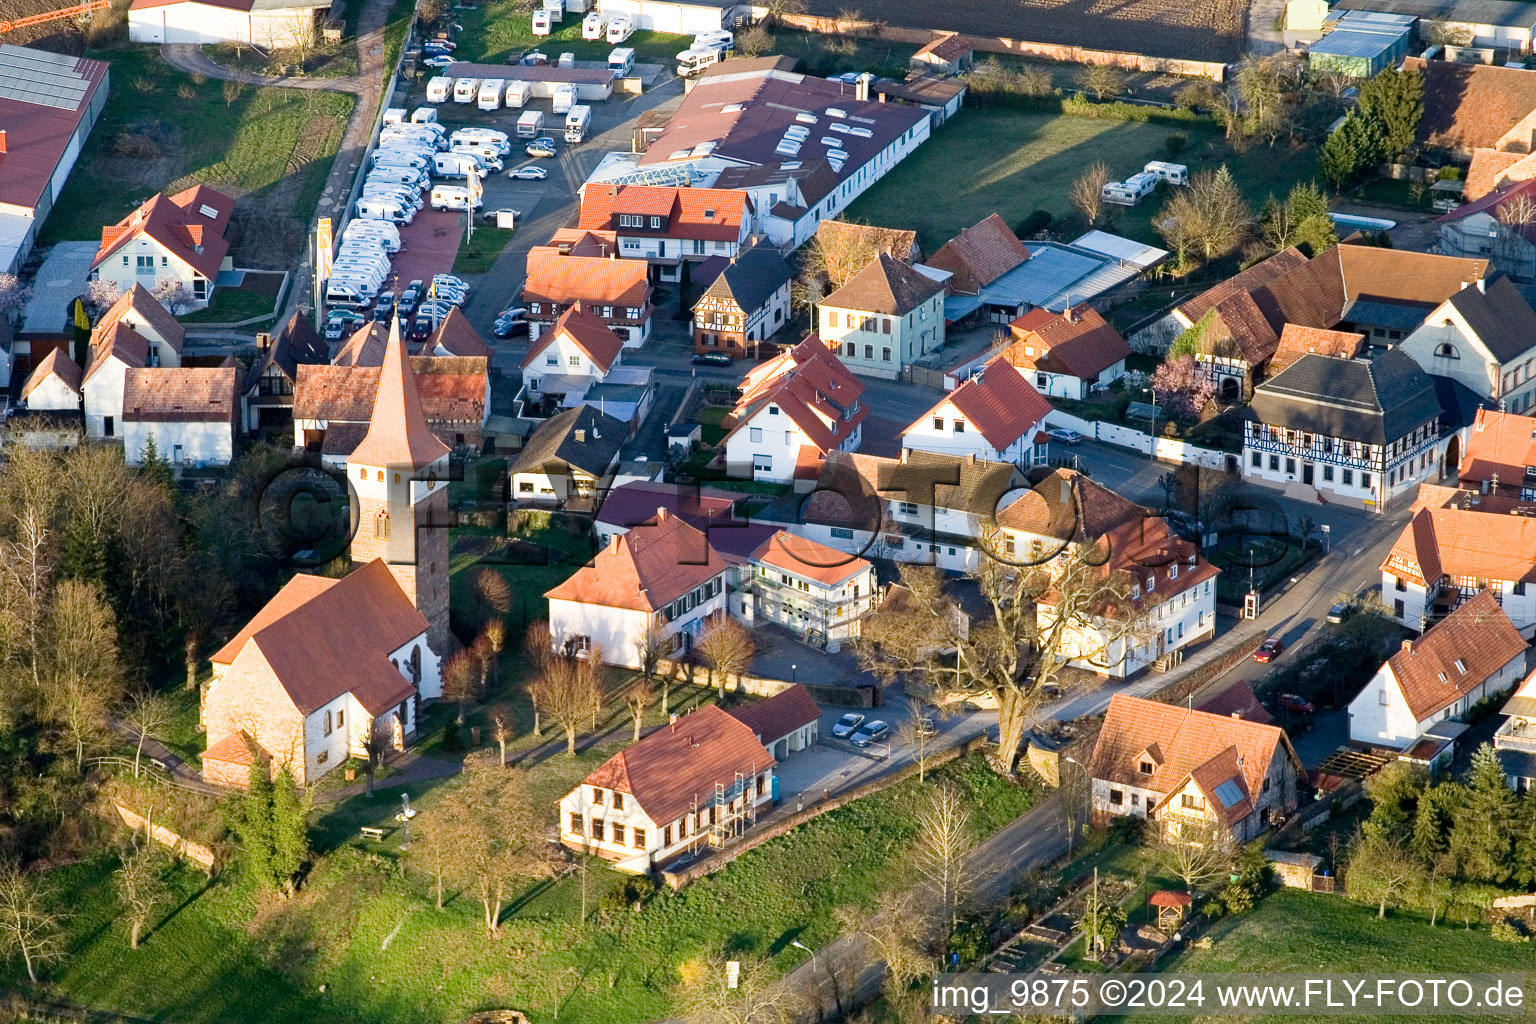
x,y
1433,820
1525,841
1395,100
153,467
82,323
85,554
1357,143
1482,840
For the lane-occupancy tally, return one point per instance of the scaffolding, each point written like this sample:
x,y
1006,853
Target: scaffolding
x,y
734,809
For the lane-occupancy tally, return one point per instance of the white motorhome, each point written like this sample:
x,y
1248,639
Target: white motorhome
x,y
379,209
693,62
410,177
564,99
400,158
456,164
540,23
453,197
518,93
346,294
1173,174
465,90
620,27
592,25
489,97
530,123
394,115
622,61
489,155
373,229
480,136
578,122
439,89
720,37
555,9
424,115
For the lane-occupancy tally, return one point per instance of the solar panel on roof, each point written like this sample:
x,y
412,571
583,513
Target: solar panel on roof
x,y
1229,793
41,78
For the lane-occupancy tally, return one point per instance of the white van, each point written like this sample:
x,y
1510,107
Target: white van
x,y
719,37
380,209
453,197
1173,174
360,271
439,89
621,61
361,253
410,177
424,115
620,28
518,93
415,135
465,90
346,295
563,98
456,165
489,155
530,123
394,115
540,23
397,193
592,25
489,97
386,234
480,136
692,62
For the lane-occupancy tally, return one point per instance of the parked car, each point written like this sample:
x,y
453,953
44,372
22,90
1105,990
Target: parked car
x,y
924,726
542,152
451,281
711,359
410,298
433,310
1295,705
1269,650
844,726
438,60
495,214
422,327
384,306
509,327
1065,435
338,327
1339,612
528,173
869,732
543,140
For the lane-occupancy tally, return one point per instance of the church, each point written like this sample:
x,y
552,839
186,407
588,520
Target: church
x,y
327,663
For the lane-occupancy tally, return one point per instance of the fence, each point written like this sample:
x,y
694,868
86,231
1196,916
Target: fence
x,y
1167,449
759,686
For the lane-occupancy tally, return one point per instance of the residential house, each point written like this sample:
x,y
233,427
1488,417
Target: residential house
x,y
817,592
1515,740
616,291
113,353
664,580
980,259
802,401
1445,556
141,311
190,415
843,238
633,504
1484,337
332,405
1500,226
269,385
1297,341
1501,455
668,225
1170,601
885,318
694,783
996,415
455,337
786,723
269,24
1069,354
54,384
947,54
1470,107
178,239
744,305
1358,431
569,459
579,362
1191,771
1473,653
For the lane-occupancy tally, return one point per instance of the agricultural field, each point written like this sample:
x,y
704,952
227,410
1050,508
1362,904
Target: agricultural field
x,y
164,130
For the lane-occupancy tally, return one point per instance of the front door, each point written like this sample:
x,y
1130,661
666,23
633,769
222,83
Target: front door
x,y
1306,473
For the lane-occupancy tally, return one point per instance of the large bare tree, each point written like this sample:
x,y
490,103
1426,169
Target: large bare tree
x,y
653,644
728,648
139,886
146,714
83,677
538,649
1087,192
944,840
1197,854
637,698
29,926
569,690
709,997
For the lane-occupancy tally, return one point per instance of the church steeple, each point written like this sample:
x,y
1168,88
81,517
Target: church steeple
x,y
398,436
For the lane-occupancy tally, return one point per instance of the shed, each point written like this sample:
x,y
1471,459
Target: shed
x,y
1362,43
1294,870
1171,907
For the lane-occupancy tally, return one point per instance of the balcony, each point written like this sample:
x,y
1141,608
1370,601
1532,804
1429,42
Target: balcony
x,y
1516,734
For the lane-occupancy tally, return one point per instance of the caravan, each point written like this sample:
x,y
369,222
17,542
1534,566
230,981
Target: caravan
x,y
620,28
453,197
439,89
456,165
488,155
720,38
424,115
530,123
518,93
465,90
400,158
622,61
480,136
378,209
578,122
394,115
395,175
490,94
541,23
1130,191
563,99
592,26
1173,174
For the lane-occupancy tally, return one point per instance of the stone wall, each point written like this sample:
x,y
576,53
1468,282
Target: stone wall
x,y
177,844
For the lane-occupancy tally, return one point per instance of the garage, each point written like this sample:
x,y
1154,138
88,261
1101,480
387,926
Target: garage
x,y
269,24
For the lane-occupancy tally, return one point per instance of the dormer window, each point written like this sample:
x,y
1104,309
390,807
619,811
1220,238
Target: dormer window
x,y
656,223
1173,571
1146,767
1135,591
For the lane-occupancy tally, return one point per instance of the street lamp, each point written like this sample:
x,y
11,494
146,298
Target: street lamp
x,y
794,673
1326,530
800,945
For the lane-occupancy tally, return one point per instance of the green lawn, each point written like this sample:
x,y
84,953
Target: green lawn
x,y
368,933
253,298
327,60
822,54
1013,162
498,29
162,130
478,254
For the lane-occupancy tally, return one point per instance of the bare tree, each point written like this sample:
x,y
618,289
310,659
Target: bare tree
x,y
460,673
944,839
83,678
902,931
232,90
1197,854
494,634
146,713
28,926
653,644
373,737
503,729
757,997
728,648
493,593
919,733
1104,81
140,888
1087,192
775,11
754,41
838,250
1074,801
99,296
1381,871
569,691
172,294
538,649
636,698
1515,217
435,846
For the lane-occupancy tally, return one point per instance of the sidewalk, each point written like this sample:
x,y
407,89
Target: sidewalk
x,y
413,768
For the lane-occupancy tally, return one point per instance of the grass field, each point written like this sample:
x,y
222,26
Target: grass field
x,y
1013,163
162,130
368,933
478,254
498,29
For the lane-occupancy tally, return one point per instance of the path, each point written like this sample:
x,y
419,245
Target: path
x,y
1263,37
411,768
159,754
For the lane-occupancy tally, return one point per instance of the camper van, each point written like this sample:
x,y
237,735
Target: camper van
x,y
488,155
415,135
400,158
387,235
1130,191
346,294
424,115
555,9
489,97
529,124
541,23
1173,174
693,62
578,122
592,25
622,61
465,90
487,136
396,175
439,89
456,165
518,93
453,197
563,98
372,209
720,38
394,115
620,28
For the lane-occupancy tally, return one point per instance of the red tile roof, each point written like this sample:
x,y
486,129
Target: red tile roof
x,y
809,560
812,387
1184,745
452,391
1493,169
38,134
949,47
183,394
398,434
1236,700
1495,202
999,402
675,769
138,304
456,337
1440,542
707,214
55,364
232,749
1079,342
980,254
599,282
587,332
1457,655
1296,341
121,342
1256,276
1502,444
1467,106
779,715
189,225
645,569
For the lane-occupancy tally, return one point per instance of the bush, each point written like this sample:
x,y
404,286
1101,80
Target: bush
x,y
969,942
1506,931
1175,144
1032,225
453,739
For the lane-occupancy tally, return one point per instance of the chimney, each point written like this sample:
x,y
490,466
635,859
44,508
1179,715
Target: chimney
x,y
263,341
970,459
672,721
1408,646
661,514
581,435
1482,285
2,140
613,543
861,87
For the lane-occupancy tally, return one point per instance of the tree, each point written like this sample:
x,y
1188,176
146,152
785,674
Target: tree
x,y
13,296
1357,143
1209,218
434,847
99,296
1433,818
83,677
1301,220
919,733
493,593
1184,387
1482,840
139,886
538,649
1381,871
431,11
1265,87
171,293
494,637
1087,192
835,254
1102,924
459,680
652,644
636,698
754,41
1198,94
503,729
944,839
1394,793
290,830
231,90
757,998
569,690
28,927
1394,99
1515,215
775,11
1195,853
901,932
146,713
270,823
1074,801
1104,81
1525,841
374,737
728,648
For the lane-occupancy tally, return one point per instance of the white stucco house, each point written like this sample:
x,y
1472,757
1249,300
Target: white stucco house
x,y
1067,354
54,384
815,591
794,410
192,414
1446,555
885,318
996,415
269,24
178,239
1483,337
1473,653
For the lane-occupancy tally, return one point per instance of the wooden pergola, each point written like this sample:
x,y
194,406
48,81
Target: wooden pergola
x,y
1170,907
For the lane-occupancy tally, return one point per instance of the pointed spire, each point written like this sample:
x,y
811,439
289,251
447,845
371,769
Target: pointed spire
x,y
398,435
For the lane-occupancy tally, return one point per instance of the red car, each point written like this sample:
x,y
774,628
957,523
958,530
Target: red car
x,y
1295,705
1269,650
